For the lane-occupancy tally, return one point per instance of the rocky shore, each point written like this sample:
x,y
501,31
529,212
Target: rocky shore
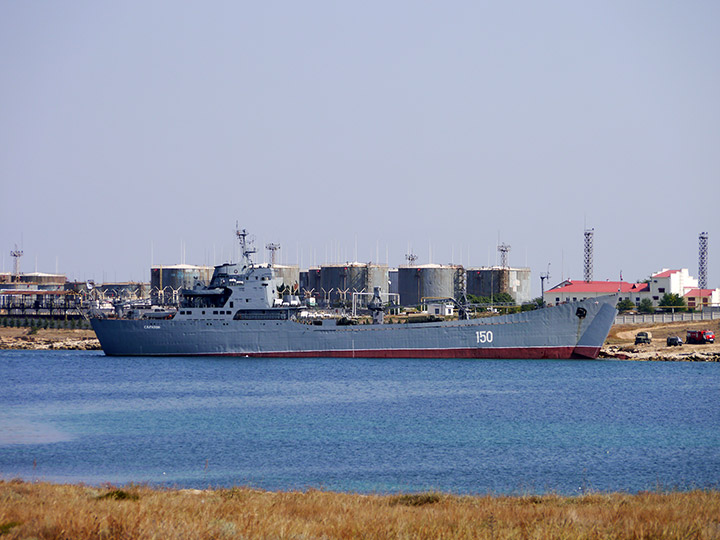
x,y
620,344
709,354
48,339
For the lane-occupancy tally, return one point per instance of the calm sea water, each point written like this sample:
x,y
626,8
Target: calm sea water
x,y
361,425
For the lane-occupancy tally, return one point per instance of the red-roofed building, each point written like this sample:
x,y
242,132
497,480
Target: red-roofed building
x,y
666,281
571,291
670,282
701,298
666,273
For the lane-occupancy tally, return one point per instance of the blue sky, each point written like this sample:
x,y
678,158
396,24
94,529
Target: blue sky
x,y
139,132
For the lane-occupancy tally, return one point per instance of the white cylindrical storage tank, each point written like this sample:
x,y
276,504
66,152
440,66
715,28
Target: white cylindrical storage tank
x,y
519,285
290,276
378,276
493,280
167,281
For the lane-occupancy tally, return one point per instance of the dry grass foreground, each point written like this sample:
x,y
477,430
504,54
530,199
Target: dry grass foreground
x,y
50,511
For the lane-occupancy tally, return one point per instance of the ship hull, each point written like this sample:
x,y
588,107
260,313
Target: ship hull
x,y
557,332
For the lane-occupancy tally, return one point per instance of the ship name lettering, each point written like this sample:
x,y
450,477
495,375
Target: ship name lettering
x,y
151,327
484,336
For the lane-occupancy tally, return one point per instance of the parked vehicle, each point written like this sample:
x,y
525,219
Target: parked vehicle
x,y
643,337
674,341
700,336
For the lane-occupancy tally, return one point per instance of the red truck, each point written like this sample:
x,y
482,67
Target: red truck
x,y
700,336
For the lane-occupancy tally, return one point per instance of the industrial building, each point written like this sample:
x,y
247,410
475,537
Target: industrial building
x,y
33,281
37,295
39,303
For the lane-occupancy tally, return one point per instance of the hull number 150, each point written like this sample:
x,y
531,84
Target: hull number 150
x,y
484,336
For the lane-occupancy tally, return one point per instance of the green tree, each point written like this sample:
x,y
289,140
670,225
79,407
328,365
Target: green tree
x,y
646,306
503,298
625,305
672,302
499,298
535,303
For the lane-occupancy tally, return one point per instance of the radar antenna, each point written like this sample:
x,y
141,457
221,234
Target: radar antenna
x,y
273,249
543,277
16,254
504,249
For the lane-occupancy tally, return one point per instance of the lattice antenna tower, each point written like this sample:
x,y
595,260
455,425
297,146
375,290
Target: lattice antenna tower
x,y
588,273
504,249
273,249
411,258
702,260
16,254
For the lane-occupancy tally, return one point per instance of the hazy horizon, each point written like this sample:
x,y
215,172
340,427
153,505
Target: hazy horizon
x,y
138,133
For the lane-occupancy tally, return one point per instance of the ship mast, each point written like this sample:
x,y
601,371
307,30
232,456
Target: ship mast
x,y
245,246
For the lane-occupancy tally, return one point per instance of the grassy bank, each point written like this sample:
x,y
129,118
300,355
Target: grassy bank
x,y
44,510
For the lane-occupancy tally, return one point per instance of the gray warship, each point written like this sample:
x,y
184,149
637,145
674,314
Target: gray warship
x,y
240,313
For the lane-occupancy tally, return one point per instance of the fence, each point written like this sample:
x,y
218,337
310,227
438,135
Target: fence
x,y
70,323
705,315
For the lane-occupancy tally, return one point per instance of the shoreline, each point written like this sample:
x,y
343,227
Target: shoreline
x,y
24,338
615,352
45,510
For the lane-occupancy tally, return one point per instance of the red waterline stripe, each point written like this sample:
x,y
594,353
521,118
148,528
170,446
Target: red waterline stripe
x,y
504,352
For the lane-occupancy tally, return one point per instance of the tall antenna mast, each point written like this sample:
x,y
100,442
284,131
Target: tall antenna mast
x,y
16,254
273,249
504,249
588,273
702,260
